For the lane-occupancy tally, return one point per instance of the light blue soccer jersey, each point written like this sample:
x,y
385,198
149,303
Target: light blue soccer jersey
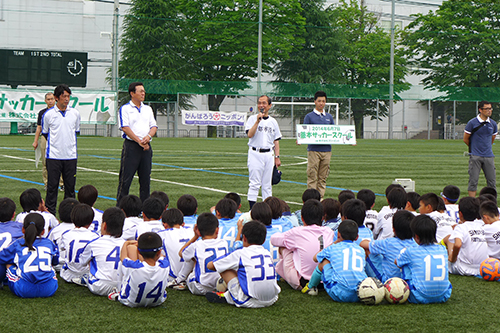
x,y
425,268
282,224
346,267
228,229
274,250
190,220
363,233
389,249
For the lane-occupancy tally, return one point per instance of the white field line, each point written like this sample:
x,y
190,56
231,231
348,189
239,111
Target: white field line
x,y
152,179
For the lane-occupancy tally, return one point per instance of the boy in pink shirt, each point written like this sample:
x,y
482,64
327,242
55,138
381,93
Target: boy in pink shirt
x,y
300,244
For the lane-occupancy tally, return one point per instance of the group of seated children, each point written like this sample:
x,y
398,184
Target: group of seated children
x,y
133,252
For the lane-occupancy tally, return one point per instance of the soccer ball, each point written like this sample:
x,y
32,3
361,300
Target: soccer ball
x,y
396,290
221,285
370,291
490,269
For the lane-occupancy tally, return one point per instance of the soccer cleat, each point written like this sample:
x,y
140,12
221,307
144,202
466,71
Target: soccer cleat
x,y
61,188
310,291
79,281
215,297
113,296
180,286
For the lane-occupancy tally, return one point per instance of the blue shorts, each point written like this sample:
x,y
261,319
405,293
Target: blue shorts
x,y
25,289
341,294
418,298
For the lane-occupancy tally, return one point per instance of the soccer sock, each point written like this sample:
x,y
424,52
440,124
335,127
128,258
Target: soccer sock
x,y
251,203
315,278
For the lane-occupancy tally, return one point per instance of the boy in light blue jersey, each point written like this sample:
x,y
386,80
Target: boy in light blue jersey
x,y
390,248
188,205
341,266
225,211
425,267
279,222
331,209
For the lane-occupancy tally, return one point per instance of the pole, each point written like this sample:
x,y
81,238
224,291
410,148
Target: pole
x,y
405,134
293,123
391,73
259,52
429,120
114,57
349,112
376,129
454,117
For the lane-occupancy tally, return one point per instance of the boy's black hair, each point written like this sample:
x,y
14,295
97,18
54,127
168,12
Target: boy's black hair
x,y
131,205
7,209
149,244
425,228
60,89
451,193
469,207
311,193
65,208
430,199
172,217
162,196
345,195
331,208
348,229
152,208
319,93
488,208
367,196
255,232
354,209
397,198
82,215
389,188
312,212
187,204
33,225
234,196
88,194
262,212
487,197
30,199
114,218
401,222
207,223
414,199
226,207
275,205
489,190
441,205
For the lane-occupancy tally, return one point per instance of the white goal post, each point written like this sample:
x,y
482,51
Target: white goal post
x,y
328,107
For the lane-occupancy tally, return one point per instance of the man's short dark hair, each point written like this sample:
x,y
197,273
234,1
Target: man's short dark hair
x,y
88,194
207,223
414,199
133,85
367,196
348,229
481,104
172,217
255,232
451,193
149,244
60,89
131,205
7,209
331,208
319,94
114,218
187,204
65,208
401,221
226,207
262,212
469,207
397,198
425,228
345,195
269,100
354,209
82,215
311,193
312,212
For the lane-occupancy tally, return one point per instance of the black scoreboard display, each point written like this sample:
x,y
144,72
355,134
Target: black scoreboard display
x,y
43,68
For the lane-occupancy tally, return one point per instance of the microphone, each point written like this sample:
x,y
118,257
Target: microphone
x,y
261,110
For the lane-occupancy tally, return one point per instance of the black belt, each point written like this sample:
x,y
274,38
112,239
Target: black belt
x,y
260,150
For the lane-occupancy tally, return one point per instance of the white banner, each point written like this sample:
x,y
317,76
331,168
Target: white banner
x,y
326,134
23,106
213,118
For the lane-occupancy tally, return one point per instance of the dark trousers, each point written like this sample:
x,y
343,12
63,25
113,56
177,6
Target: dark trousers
x,y
134,159
56,168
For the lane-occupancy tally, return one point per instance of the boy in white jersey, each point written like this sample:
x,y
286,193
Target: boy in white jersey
x,y
65,208
199,253
74,241
368,197
429,204
225,211
131,205
88,194
175,235
450,196
489,214
468,244
248,272
32,202
152,208
397,200
143,273
103,254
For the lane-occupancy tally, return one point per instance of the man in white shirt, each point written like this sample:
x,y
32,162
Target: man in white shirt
x,y
139,126
60,125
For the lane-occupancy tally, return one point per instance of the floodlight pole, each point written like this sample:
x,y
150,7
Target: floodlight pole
x,y
114,47
391,73
259,51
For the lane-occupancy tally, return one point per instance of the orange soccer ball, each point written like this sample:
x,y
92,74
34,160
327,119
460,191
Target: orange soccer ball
x,y
490,269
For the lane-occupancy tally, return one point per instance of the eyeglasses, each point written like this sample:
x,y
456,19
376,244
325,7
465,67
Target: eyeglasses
x,y
487,109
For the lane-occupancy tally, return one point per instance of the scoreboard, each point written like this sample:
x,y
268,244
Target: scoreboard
x,y
43,68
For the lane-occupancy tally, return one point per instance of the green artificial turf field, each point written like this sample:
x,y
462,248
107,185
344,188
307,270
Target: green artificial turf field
x,y
209,168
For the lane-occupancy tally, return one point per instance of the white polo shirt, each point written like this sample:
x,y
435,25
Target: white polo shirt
x,y
61,128
139,120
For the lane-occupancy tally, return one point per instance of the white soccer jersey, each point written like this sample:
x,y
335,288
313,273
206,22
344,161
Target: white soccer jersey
x,y
61,128
492,235
143,285
474,247
267,132
130,227
255,269
173,239
371,219
203,252
72,243
50,220
452,211
147,226
97,222
103,257
444,224
383,228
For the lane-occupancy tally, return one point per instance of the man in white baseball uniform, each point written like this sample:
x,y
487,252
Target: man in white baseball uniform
x,y
264,135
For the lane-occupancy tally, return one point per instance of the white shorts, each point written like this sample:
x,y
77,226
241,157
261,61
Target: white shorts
x,y
460,268
197,288
237,297
68,275
102,287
